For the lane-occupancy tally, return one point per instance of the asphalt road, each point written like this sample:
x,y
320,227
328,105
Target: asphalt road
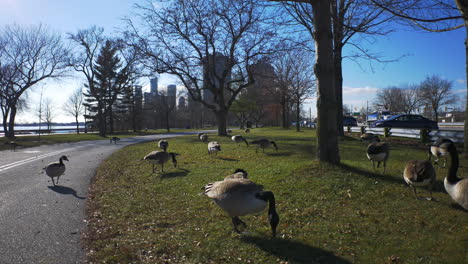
x,y
40,223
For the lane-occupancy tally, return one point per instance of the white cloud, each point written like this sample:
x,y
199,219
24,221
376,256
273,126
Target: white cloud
x,y
359,90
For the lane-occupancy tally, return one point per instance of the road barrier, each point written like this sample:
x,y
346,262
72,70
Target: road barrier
x,y
422,134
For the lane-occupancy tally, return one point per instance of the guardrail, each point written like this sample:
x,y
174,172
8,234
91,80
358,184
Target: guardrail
x,y
455,136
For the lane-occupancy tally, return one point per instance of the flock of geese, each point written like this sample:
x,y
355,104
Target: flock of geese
x,y
239,196
421,173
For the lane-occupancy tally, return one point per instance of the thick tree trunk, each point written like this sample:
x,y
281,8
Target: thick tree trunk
x,y
221,119
11,123
327,136
339,90
465,144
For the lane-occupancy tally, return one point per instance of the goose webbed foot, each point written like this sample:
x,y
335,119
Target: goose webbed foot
x,y
236,222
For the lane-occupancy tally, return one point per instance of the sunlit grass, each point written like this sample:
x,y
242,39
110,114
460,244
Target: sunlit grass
x,y
329,214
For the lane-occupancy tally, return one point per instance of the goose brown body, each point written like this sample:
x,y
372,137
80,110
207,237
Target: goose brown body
x,y
56,169
238,139
456,187
419,173
377,151
214,147
239,197
264,143
160,158
440,149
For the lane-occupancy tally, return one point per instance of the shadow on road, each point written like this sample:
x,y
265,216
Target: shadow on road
x,y
293,251
65,190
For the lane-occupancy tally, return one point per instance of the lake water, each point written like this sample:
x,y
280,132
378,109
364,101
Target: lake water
x,y
57,129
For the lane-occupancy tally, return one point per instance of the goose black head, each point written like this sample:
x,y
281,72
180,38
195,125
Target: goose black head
x,y
242,171
273,219
274,144
64,158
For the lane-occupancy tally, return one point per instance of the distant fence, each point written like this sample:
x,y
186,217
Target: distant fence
x,y
455,136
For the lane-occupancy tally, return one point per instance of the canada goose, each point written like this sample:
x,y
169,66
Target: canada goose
x,y
378,151
163,144
114,139
238,139
229,131
247,130
457,188
160,157
263,143
214,147
13,145
238,174
239,197
199,135
204,138
419,173
56,169
438,149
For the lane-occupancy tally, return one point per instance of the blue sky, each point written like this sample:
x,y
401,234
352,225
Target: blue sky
x,y
424,53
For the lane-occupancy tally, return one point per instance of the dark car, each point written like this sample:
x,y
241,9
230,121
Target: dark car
x,y
349,121
406,121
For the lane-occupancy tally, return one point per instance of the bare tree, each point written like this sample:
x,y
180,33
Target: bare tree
x,y
204,43
49,113
390,99
39,112
436,93
412,99
434,16
28,56
349,18
74,106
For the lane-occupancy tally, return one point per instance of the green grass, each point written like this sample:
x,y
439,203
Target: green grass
x,y
329,214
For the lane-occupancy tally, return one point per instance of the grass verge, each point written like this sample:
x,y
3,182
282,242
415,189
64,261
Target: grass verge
x,y
329,214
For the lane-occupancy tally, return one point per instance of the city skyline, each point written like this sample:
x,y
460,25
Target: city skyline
x,y
419,54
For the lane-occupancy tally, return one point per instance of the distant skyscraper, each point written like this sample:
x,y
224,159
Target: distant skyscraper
x,y
154,85
171,94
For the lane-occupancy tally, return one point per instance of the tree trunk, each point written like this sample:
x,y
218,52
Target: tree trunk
x,y
167,122
11,124
77,125
339,90
284,113
298,115
221,118
101,121
327,136
465,144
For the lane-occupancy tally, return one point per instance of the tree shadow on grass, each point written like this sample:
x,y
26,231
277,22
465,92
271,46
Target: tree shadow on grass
x,y
228,159
293,251
180,173
278,154
65,190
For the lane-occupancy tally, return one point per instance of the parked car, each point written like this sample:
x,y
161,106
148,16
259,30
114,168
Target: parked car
x,y
406,121
349,121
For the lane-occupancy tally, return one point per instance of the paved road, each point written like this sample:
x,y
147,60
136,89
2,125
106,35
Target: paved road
x,y
40,223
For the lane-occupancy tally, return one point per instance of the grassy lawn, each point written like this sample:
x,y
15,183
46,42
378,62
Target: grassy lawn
x,y
33,141
329,214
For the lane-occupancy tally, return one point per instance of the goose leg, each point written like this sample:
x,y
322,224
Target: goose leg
x,y
373,164
414,191
384,166
58,179
52,180
153,168
162,167
235,222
